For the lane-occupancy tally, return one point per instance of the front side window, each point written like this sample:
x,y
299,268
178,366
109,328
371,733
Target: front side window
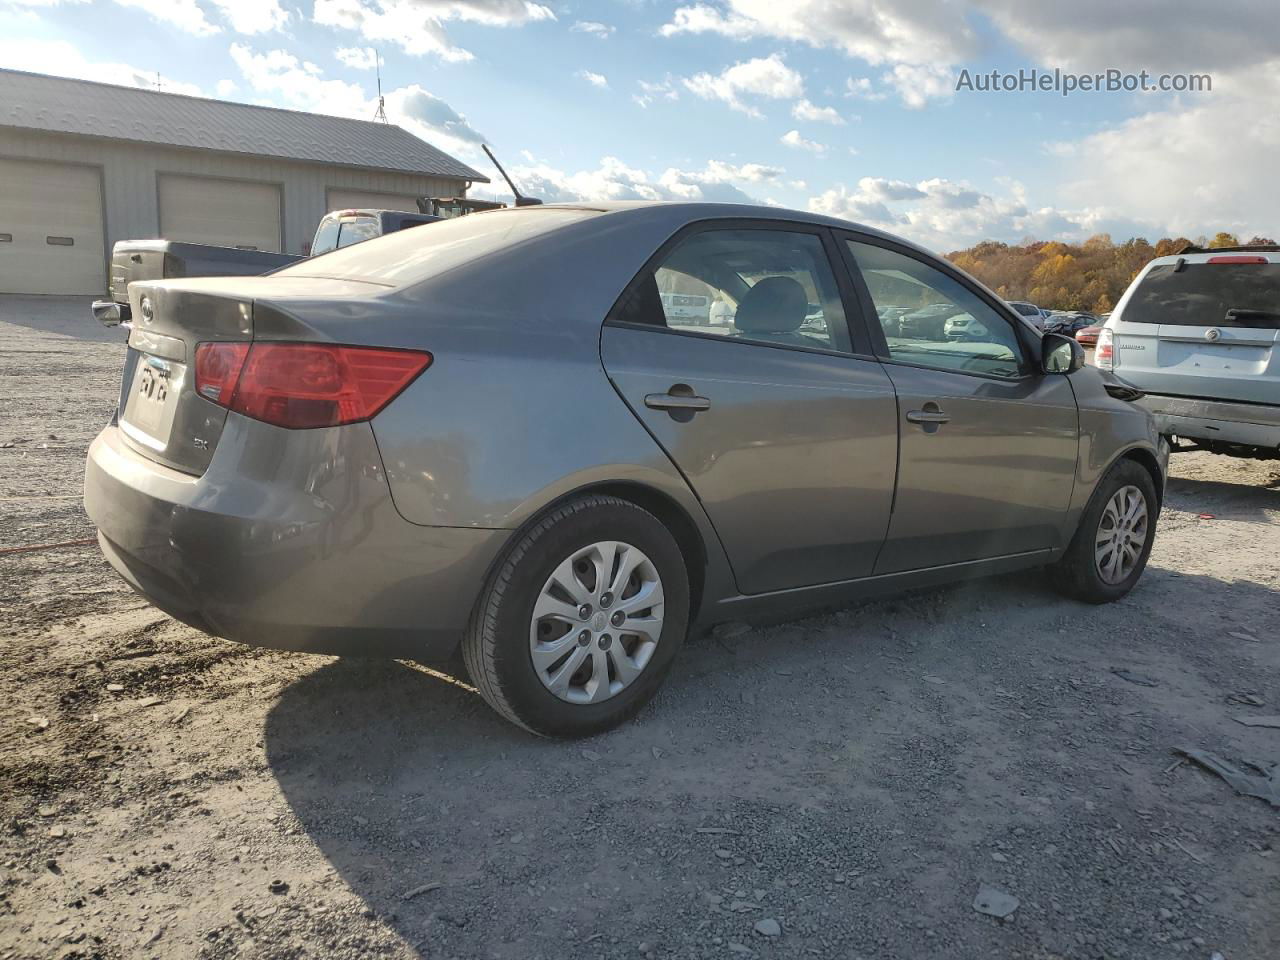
x,y
764,286
933,320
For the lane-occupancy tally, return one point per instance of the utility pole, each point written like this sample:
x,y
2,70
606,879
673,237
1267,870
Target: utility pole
x,y
380,115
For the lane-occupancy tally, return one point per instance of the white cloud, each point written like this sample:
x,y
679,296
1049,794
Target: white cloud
x,y
186,15
664,89
944,214
792,138
1093,34
804,110
877,31
253,16
418,26
301,85
615,180
766,77
225,88
1192,167
598,80
918,84
593,27
41,56
358,58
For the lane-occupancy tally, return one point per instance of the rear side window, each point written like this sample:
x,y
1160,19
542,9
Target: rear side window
x,y
1208,295
326,237
410,256
765,286
356,231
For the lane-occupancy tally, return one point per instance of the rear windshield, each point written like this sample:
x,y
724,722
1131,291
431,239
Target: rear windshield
x,y
1026,309
409,256
1209,295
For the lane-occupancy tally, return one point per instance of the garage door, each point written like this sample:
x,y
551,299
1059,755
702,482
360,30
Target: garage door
x,y
227,213
51,228
365,200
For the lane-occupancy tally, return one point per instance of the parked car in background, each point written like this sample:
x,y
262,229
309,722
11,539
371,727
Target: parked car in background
x,y
928,322
1068,322
134,260
1029,310
1088,336
1199,332
447,438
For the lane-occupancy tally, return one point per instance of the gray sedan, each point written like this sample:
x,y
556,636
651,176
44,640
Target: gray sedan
x,y
501,432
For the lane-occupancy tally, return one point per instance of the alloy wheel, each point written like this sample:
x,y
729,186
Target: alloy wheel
x,y
596,622
1122,534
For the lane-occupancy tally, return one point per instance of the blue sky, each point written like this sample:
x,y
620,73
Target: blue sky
x,y
844,106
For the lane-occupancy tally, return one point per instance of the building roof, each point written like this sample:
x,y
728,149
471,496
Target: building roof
x,y
62,105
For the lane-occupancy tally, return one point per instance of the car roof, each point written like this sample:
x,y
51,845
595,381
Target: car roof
x,y
680,212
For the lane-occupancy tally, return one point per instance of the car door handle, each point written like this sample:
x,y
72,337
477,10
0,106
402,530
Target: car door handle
x,y
928,416
676,401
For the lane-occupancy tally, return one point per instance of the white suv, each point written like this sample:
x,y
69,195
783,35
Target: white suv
x,y
1199,333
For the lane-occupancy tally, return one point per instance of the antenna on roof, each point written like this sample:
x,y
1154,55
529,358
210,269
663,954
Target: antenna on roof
x,y
521,199
380,115
157,81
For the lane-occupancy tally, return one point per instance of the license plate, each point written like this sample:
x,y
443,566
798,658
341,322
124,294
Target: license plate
x,y
153,398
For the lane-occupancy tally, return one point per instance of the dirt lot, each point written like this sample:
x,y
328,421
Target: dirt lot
x,y
853,777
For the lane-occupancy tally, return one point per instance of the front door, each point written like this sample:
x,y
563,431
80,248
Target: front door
x,y
988,443
735,353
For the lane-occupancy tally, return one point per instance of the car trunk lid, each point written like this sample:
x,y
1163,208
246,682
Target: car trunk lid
x,y
160,413
1209,328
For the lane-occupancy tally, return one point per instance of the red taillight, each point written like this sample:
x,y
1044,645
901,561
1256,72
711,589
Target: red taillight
x,y
1237,260
1104,355
301,385
218,368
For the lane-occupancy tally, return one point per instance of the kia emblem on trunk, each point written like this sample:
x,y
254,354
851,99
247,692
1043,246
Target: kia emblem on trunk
x,y
1212,334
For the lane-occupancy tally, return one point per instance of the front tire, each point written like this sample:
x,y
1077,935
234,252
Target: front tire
x,y
1110,548
579,625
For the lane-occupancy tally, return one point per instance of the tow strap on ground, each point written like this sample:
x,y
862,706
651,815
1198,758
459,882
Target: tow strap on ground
x,y
48,546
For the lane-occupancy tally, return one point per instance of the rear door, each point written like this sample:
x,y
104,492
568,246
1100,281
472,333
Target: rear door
x,y
783,431
988,446
1208,328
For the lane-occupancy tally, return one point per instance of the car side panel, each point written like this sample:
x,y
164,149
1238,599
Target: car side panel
x,y
1109,428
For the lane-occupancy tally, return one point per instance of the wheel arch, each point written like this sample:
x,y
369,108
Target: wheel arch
x,y
672,515
1149,462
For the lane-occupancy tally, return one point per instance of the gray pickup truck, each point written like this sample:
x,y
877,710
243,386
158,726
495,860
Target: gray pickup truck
x,y
168,259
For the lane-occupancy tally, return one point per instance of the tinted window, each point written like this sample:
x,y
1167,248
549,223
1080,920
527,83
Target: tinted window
x,y
411,256
931,319
766,286
326,237
1208,295
356,231
1026,309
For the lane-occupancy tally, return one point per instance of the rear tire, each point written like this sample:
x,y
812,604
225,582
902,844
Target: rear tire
x,y
1111,545
602,680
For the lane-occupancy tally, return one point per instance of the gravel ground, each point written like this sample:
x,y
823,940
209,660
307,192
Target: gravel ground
x,y
835,787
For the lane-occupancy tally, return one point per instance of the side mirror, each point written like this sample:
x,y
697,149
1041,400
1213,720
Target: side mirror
x,y
1059,354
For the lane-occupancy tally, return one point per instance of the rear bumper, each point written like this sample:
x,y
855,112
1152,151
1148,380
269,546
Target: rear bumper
x,y
295,549
1250,424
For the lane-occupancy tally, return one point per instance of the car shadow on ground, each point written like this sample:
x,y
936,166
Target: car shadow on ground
x,y
889,741
60,316
1235,501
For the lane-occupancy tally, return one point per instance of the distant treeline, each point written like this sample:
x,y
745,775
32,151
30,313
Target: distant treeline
x,y
1073,276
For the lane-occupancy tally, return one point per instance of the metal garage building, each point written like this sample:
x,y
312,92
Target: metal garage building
x,y
83,165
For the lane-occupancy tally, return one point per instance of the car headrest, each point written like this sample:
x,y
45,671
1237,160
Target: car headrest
x,y
773,305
